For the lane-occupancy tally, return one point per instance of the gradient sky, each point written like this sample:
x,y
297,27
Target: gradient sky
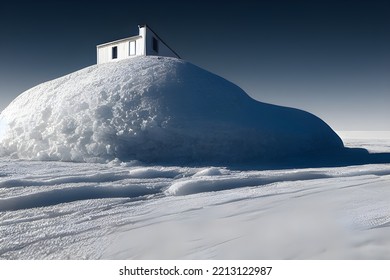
x,y
331,58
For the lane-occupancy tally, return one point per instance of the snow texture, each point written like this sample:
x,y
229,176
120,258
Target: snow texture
x,y
154,109
129,125
130,210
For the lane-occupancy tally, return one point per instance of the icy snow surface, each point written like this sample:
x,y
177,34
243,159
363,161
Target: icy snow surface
x,y
123,140
129,210
154,109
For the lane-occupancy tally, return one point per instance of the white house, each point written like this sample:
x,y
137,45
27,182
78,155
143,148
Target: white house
x,y
146,43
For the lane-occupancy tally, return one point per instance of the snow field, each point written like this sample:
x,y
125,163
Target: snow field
x,y
130,210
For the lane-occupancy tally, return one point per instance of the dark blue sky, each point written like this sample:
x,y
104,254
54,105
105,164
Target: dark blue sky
x,y
331,58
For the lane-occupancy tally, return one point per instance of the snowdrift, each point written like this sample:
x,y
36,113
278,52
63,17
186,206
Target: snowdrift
x,y
155,109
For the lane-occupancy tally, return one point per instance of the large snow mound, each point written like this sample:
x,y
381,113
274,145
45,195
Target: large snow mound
x,y
155,109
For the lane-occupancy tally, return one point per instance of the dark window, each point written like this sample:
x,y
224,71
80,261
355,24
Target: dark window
x,y
114,52
155,45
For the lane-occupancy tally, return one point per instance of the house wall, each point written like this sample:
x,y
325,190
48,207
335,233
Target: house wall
x,y
163,50
104,53
144,46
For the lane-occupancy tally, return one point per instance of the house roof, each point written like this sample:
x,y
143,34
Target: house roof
x,y
120,40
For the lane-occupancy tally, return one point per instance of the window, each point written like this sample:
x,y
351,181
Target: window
x,y
132,50
155,45
114,53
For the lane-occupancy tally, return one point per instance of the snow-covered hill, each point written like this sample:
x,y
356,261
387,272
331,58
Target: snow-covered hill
x,y
154,109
